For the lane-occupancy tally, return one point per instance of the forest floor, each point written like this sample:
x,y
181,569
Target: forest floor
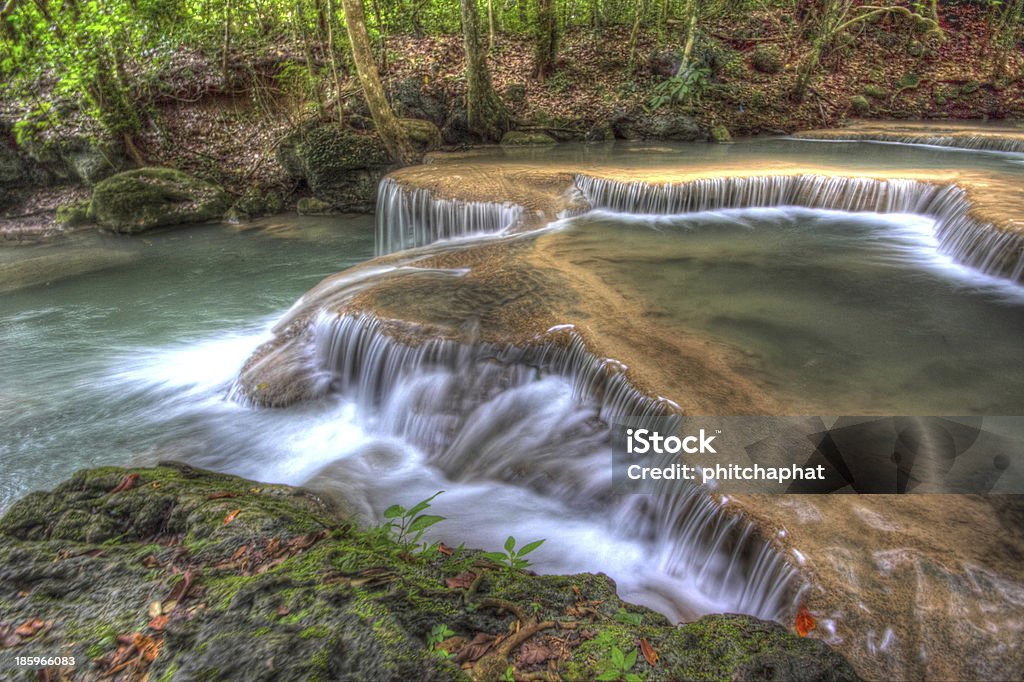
x,y
227,131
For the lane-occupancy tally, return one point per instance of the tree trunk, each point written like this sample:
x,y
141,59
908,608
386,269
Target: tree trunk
x,y
487,116
691,38
384,120
546,40
334,62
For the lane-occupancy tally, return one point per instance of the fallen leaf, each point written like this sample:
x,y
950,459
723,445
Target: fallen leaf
x,y
180,590
127,483
283,610
155,609
533,653
445,549
158,623
650,653
804,621
7,637
221,495
147,647
476,649
231,516
29,628
461,582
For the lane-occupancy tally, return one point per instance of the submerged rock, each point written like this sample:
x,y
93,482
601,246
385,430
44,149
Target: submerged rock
x,y
517,138
178,573
138,200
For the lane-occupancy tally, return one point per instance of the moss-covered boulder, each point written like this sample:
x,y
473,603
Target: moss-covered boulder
x,y
139,200
12,169
312,206
75,213
662,124
860,105
177,573
720,134
767,59
518,138
424,135
342,166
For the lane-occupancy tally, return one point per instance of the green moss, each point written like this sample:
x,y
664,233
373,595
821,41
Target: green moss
x,y
874,91
518,138
314,631
767,59
720,134
142,199
75,213
860,104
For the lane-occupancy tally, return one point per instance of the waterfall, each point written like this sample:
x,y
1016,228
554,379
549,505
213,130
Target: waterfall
x,y
472,410
415,217
986,143
969,241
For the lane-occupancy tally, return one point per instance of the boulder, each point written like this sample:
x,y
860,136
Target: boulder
x,y
518,138
411,99
75,213
662,124
139,200
720,134
341,166
312,206
767,59
424,135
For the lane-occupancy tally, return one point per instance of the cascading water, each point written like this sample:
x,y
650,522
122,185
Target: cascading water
x,y
976,244
414,217
983,143
482,413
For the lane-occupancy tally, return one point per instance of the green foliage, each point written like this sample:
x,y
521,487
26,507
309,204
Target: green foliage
x,y
407,526
438,634
512,557
685,87
767,59
618,666
626,618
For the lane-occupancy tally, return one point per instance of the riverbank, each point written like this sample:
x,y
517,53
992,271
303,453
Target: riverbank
x,y
174,570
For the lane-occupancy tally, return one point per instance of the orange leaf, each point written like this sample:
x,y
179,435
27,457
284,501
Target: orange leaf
x,y
127,483
461,582
445,549
804,621
29,628
650,653
158,623
147,647
231,517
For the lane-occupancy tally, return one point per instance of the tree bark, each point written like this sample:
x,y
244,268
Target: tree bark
x,y
487,115
546,40
384,119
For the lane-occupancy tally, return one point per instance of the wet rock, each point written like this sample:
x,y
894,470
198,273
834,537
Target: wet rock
x,y
720,134
518,138
411,99
341,166
860,104
313,206
75,213
662,124
229,579
424,135
138,200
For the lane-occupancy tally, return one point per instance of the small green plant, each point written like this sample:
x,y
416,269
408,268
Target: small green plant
x,y
513,558
626,618
683,87
438,634
619,666
510,674
408,525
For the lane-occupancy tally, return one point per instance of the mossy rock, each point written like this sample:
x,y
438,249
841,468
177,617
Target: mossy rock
x,y
313,206
874,91
271,582
342,166
75,213
970,87
139,200
767,59
518,138
720,134
424,135
12,169
860,104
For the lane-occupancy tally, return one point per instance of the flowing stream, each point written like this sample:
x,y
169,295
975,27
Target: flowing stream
x,y
132,361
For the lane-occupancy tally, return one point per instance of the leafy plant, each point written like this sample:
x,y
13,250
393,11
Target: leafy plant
x,y
512,557
408,525
619,666
626,618
683,87
438,634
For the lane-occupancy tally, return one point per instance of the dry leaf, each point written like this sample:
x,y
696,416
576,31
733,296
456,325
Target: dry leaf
x,y
476,649
445,549
158,623
461,582
231,516
533,653
804,621
127,483
650,653
29,628
221,495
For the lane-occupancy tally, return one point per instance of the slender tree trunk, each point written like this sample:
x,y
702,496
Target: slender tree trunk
x,y
546,40
691,38
487,116
635,32
226,47
490,26
384,119
331,14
